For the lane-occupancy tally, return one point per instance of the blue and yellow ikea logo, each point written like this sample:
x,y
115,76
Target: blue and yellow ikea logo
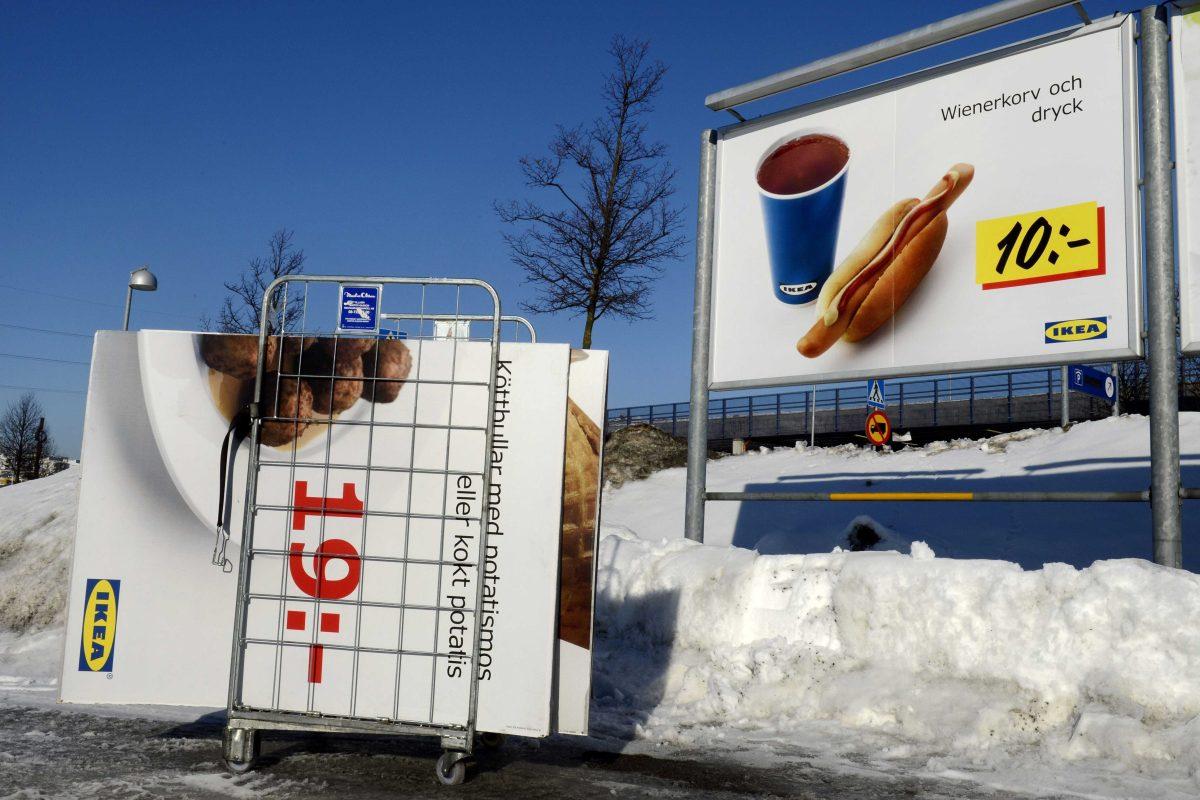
x,y
99,635
1077,330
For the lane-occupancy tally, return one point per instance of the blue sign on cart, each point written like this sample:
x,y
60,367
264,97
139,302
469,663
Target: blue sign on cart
x,y
1092,381
358,308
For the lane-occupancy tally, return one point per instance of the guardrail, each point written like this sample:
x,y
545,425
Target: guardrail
x,y
998,398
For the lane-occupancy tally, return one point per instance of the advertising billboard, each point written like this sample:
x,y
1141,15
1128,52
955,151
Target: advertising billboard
x,y
587,395
1185,68
980,214
159,406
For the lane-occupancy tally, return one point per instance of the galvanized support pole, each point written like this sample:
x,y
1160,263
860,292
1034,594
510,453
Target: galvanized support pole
x,y
1116,373
128,305
693,526
1064,395
812,417
1162,351
1049,394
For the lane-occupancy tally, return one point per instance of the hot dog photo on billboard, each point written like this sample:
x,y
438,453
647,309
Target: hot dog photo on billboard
x,y
955,221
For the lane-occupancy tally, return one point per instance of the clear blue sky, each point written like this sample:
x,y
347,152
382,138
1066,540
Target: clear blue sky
x,y
182,135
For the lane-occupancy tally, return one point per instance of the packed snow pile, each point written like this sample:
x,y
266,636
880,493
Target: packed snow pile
x,y
37,526
1076,669
942,657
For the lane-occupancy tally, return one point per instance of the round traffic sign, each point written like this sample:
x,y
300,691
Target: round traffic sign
x,y
879,428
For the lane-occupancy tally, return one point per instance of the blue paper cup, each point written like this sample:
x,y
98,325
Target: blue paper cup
x,y
801,180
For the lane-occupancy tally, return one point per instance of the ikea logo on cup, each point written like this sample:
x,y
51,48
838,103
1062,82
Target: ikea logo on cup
x,y
798,289
1077,330
99,635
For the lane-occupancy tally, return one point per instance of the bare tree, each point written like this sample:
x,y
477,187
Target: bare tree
x,y
243,307
599,248
23,437
1134,383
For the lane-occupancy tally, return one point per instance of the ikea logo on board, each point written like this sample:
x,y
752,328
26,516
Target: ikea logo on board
x,y
99,635
1077,330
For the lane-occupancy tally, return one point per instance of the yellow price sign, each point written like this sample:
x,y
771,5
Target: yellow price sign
x,y
1039,246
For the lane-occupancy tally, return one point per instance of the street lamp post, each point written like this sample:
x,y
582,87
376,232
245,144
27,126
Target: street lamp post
x,y
143,280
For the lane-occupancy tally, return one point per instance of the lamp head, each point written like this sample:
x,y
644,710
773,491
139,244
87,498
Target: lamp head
x,y
143,280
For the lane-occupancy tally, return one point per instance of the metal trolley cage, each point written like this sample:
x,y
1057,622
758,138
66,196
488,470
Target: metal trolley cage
x,y
288,324
519,322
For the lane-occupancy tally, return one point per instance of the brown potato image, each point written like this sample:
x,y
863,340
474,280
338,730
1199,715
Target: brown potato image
x,y
235,355
389,359
348,348
234,361
293,348
581,483
332,396
289,398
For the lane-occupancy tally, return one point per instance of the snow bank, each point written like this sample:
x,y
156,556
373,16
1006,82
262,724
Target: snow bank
x,y
945,657
37,526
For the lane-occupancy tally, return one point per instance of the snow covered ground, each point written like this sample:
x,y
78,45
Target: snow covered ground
x,y
1073,679
37,526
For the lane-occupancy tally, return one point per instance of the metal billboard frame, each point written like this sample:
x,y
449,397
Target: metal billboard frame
x,y
1153,85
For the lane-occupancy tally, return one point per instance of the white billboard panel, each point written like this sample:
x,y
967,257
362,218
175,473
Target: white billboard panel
x,y
1185,68
982,215
587,390
150,619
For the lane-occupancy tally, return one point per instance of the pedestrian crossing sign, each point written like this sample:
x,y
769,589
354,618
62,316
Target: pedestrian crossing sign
x,y
875,394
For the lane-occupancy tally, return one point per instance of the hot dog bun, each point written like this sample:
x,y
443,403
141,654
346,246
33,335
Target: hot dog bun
x,y
821,337
880,274
894,286
861,255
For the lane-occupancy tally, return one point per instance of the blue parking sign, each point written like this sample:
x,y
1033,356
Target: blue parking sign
x,y
358,307
1092,381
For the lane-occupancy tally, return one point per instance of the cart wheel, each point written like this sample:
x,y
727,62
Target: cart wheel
x,y
491,741
240,767
241,750
451,768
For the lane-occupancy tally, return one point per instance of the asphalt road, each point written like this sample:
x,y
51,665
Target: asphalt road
x,y
51,753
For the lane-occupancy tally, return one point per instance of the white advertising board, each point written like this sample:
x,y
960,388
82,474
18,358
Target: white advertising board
x,y
983,214
150,619
1185,69
587,391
